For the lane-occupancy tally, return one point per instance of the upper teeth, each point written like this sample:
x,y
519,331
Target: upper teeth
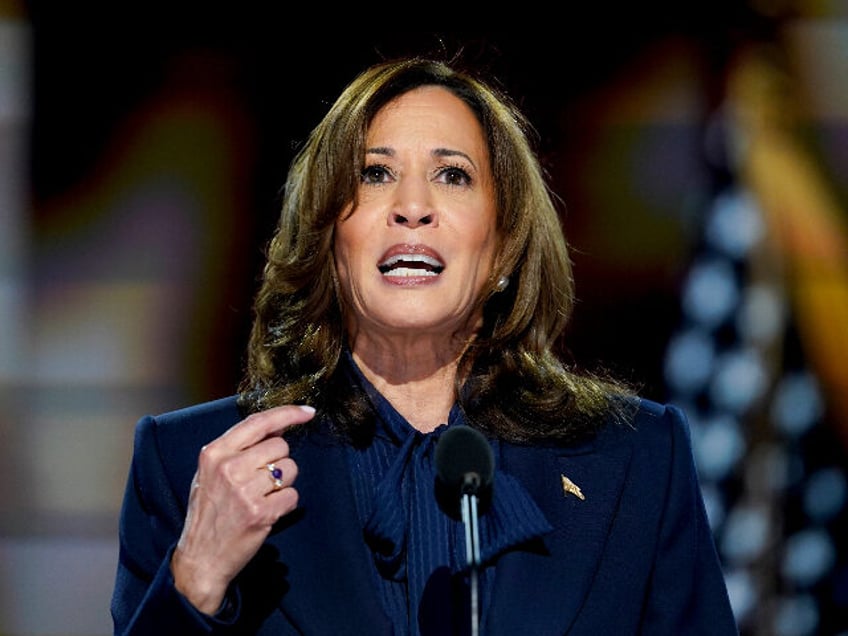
x,y
389,265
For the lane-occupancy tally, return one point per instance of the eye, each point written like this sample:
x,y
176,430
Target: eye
x,y
454,175
375,173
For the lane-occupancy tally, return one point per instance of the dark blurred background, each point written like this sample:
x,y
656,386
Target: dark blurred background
x,y
143,150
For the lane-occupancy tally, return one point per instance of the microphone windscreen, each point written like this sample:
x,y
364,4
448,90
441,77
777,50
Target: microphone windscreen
x,y
462,451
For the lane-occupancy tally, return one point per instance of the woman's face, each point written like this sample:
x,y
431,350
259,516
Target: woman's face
x,y
413,255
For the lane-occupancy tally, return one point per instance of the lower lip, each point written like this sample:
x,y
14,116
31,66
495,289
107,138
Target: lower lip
x,y
410,281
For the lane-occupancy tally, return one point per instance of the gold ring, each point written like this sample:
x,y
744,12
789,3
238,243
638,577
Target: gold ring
x,y
276,475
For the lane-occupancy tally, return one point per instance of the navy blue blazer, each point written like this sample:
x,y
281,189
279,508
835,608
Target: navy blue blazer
x,y
635,556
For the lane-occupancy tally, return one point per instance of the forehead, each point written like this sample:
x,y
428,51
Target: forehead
x,y
429,111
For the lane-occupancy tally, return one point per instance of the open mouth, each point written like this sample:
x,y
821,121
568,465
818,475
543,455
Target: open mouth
x,y
407,265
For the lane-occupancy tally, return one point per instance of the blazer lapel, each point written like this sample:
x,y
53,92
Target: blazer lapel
x,y
540,588
327,564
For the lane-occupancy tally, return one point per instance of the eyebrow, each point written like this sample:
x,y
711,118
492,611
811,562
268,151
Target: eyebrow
x,y
438,152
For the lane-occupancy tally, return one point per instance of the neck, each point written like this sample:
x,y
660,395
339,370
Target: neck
x,y
418,382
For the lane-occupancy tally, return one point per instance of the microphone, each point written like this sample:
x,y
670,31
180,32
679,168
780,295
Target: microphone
x,y
465,468
465,463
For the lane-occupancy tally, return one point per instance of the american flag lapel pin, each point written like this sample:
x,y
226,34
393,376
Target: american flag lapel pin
x,y
570,488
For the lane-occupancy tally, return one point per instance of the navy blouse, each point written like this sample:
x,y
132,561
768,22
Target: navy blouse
x,y
420,567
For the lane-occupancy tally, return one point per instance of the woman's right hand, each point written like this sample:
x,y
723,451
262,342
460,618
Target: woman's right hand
x,y
234,502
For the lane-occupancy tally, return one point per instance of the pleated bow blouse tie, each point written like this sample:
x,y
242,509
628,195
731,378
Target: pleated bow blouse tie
x,y
412,539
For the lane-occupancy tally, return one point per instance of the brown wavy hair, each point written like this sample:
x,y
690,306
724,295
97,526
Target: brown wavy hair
x,y
511,381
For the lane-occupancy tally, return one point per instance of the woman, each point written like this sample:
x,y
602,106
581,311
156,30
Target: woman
x,y
418,280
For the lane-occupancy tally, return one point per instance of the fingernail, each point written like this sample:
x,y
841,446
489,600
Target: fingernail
x,y
307,409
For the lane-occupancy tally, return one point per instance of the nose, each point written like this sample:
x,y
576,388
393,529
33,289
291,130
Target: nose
x,y
412,219
413,206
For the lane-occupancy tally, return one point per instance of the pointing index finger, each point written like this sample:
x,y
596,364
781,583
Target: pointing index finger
x,y
258,426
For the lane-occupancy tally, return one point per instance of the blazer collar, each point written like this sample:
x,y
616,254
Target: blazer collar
x,y
540,589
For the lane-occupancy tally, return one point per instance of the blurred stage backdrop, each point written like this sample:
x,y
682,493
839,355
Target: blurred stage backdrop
x,y
701,155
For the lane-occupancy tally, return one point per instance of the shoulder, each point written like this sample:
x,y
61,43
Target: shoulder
x,y
657,437
647,422
203,421
663,419
174,438
637,434
649,436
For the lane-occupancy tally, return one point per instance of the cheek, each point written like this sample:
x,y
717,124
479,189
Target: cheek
x,y
349,257
341,261
351,233
488,245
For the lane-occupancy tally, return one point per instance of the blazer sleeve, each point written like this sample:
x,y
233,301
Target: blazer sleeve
x,y
145,600
687,592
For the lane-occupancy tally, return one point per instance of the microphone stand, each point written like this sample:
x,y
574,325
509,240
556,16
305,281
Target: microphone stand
x,y
471,483
464,458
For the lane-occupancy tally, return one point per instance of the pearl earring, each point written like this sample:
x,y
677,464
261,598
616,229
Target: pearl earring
x,y
502,283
